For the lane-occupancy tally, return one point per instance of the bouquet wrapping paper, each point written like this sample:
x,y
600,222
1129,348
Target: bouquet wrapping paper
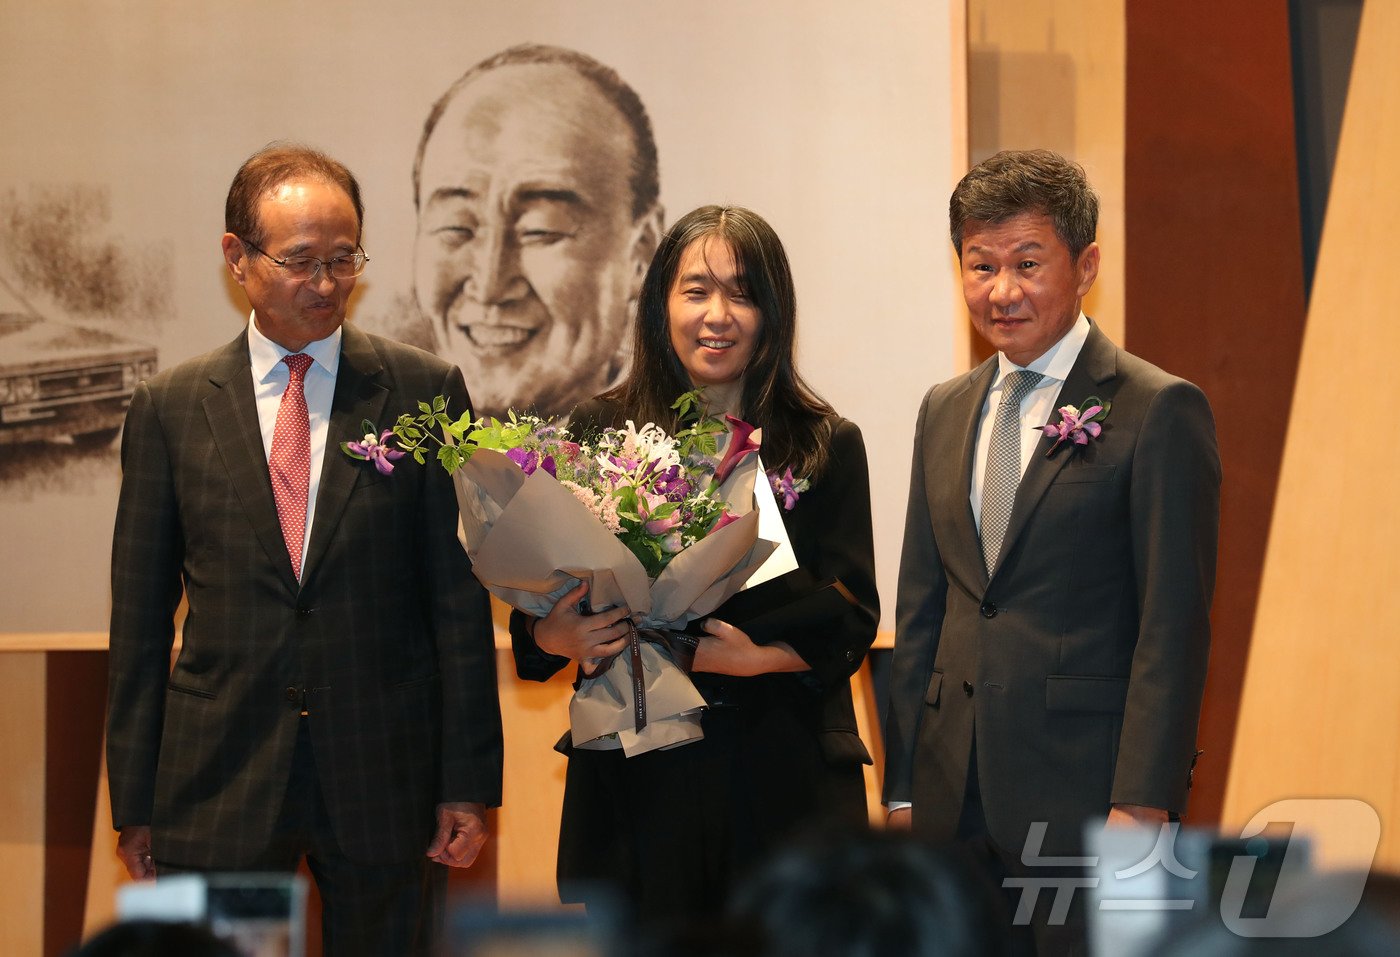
x,y
531,541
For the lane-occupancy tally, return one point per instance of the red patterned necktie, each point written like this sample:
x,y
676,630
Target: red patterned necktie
x,y
290,461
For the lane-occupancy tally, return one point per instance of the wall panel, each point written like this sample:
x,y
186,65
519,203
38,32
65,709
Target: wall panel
x,y
1320,712
1214,279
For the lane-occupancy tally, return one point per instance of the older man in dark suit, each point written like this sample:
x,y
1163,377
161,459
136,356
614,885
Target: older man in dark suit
x,y
334,695
1054,596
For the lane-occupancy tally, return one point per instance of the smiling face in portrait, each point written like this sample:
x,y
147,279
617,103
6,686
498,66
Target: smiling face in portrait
x,y
1023,287
714,325
306,217
527,256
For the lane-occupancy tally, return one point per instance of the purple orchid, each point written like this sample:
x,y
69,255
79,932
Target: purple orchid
x,y
786,488
623,463
1075,426
672,484
529,460
378,451
743,439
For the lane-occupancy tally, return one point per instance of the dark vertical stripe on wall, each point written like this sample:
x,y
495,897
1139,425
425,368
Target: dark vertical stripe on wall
x,y
1214,279
1324,41
75,710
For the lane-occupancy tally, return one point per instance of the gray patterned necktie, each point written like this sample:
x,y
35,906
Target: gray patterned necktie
x,y
1003,472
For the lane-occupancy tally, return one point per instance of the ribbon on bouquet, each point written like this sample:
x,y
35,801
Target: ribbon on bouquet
x,y
678,643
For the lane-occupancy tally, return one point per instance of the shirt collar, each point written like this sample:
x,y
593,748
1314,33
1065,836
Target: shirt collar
x,y
1055,363
266,355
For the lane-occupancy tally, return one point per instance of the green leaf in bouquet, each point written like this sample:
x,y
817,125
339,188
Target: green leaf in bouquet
x,y
450,457
439,403
459,428
688,405
488,436
654,559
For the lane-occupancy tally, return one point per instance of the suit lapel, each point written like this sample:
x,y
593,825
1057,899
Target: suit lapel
x,y
966,545
359,396
232,413
1097,363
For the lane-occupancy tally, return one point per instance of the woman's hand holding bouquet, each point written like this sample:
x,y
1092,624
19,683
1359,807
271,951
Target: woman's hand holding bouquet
x,y
653,530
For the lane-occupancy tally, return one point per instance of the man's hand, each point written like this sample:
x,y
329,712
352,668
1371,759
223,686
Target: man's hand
x,y
587,638
461,833
900,819
1136,815
134,850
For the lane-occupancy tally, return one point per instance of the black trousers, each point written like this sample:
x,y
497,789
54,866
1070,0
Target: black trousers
x,y
1047,934
367,910
669,833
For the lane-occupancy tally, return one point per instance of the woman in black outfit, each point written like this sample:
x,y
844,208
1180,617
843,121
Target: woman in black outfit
x,y
669,831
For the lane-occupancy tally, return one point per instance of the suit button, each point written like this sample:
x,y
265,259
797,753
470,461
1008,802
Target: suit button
x,y
292,694
304,612
850,655
967,688
988,609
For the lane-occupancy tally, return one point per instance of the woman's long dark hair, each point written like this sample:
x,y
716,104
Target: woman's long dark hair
x,y
796,422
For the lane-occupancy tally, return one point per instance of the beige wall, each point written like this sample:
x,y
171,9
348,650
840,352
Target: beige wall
x,y
1051,74
1320,713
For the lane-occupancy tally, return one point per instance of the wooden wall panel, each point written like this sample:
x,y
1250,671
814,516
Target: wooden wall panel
x,y
23,689
1050,75
1214,279
1320,714
526,835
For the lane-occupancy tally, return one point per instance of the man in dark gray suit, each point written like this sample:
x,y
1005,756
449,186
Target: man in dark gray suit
x,y
334,694
1053,612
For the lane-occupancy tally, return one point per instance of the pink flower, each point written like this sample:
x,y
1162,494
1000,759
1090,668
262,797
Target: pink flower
x,y
743,439
647,505
1075,426
370,449
726,518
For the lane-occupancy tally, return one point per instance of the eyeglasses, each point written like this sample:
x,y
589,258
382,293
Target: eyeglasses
x,y
306,268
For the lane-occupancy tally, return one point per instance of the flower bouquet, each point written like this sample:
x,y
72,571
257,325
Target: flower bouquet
x,y
665,525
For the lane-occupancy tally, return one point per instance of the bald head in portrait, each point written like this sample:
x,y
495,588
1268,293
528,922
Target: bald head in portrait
x,y
537,190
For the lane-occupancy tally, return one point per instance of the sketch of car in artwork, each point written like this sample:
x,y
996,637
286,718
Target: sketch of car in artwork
x,y
59,380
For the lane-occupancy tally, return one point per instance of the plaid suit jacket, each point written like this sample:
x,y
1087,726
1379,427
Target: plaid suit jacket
x,y
387,638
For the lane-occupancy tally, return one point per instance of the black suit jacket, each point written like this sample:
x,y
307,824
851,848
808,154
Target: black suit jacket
x,y
793,735
830,531
387,638
1081,660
